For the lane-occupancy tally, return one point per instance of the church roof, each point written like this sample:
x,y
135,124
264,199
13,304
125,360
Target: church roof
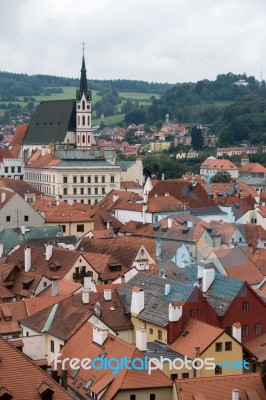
x,y
51,121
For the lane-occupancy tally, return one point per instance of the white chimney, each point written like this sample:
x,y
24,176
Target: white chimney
x,y
3,197
175,312
145,198
167,194
49,251
87,283
190,224
167,288
57,201
85,297
236,331
27,258
156,195
137,300
141,338
108,225
99,334
162,176
144,209
107,294
200,271
235,394
55,286
207,279
169,222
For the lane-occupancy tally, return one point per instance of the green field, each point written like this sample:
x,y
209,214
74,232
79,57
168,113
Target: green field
x,y
111,120
137,95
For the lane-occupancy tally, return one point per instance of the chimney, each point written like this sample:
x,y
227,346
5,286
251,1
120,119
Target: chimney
x,y
174,312
87,283
141,338
207,279
167,288
137,300
54,375
235,394
200,271
92,150
27,258
145,198
107,294
101,151
156,195
167,194
236,331
99,334
162,176
57,201
190,224
3,197
85,297
158,248
144,209
48,251
55,286
169,222
108,225
64,378
197,351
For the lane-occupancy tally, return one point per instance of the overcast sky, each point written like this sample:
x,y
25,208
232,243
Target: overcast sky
x,y
151,40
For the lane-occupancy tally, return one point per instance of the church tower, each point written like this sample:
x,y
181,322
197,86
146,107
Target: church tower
x,y
84,134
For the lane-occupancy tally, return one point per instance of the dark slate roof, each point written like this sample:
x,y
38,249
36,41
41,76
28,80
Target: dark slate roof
x,y
156,350
156,303
222,292
125,165
51,121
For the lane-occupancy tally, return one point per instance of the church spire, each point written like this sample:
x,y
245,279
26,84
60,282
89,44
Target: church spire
x,y
83,84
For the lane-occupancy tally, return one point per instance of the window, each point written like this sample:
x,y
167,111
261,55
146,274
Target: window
x,y
75,191
81,190
96,190
12,170
218,346
185,375
191,313
89,179
80,228
112,179
74,179
151,331
228,330
82,179
173,376
64,179
89,190
103,190
96,201
6,170
198,311
65,191
52,346
152,396
63,228
96,179
103,179
8,218
245,330
218,370
245,306
257,328
132,397
228,346
26,218
160,334
19,169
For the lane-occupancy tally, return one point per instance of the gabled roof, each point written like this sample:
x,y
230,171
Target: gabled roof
x,y
45,161
5,153
19,186
219,164
113,347
258,347
63,213
19,375
51,122
193,194
253,168
19,134
14,311
250,387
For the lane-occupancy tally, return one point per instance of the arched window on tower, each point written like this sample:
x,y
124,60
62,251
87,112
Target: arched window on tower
x,y
89,139
83,120
88,120
78,120
83,139
78,138
83,104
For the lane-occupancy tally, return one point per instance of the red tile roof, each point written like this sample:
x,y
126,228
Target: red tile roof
x,y
20,377
220,388
19,134
222,164
257,346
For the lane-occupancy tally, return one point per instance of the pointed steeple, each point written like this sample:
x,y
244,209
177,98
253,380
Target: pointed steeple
x,y
83,85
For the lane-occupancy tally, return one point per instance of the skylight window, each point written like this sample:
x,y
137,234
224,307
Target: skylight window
x,y
88,384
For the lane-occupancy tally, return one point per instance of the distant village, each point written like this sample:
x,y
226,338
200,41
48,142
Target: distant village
x,y
159,284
